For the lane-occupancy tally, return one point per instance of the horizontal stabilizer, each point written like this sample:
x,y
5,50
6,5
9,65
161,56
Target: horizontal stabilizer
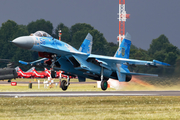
x,y
154,75
156,62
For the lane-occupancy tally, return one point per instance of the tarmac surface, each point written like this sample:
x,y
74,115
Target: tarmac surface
x,y
89,93
5,82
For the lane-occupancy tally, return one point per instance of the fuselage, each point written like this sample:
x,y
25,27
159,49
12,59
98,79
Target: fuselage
x,y
64,54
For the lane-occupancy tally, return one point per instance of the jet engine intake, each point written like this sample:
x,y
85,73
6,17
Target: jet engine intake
x,y
45,55
48,62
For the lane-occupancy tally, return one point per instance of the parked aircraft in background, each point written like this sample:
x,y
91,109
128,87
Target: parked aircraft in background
x,y
30,70
58,74
38,74
64,75
46,72
81,63
8,72
21,74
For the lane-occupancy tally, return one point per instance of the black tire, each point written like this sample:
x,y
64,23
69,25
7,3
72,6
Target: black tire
x,y
64,85
104,85
53,74
9,80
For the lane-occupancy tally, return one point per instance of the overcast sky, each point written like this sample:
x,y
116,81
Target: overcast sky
x,y
148,20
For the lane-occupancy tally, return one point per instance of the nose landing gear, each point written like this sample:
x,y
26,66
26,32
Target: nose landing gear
x,y
64,85
53,72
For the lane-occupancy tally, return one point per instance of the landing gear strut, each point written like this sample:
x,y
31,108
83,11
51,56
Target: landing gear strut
x,y
104,83
53,72
64,84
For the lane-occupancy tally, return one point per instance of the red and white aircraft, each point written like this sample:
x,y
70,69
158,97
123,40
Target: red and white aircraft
x,y
47,72
37,74
58,73
22,74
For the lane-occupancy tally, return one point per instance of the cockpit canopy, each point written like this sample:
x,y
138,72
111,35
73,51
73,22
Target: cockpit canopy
x,y
41,34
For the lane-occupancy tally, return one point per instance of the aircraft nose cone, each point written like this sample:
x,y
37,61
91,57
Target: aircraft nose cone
x,y
25,42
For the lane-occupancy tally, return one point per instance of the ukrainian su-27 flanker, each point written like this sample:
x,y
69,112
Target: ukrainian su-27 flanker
x,y
81,63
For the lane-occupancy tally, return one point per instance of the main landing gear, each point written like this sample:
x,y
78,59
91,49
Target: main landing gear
x,y
64,84
104,83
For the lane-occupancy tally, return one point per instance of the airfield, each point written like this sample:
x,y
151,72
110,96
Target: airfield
x,y
136,87
89,94
133,100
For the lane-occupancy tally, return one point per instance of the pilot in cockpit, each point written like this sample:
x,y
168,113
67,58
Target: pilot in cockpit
x,y
40,34
44,35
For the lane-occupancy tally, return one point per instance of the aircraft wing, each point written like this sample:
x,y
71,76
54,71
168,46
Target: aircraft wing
x,y
111,61
55,50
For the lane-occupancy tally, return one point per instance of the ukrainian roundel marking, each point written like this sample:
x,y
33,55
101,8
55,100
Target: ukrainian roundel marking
x,y
123,51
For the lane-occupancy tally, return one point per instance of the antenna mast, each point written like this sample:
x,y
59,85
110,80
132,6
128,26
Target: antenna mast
x,y
122,19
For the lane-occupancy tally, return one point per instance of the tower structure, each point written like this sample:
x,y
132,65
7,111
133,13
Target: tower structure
x,y
60,33
122,19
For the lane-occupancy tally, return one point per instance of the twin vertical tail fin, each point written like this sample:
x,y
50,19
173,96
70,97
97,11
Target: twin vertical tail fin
x,y
31,69
86,46
124,48
123,52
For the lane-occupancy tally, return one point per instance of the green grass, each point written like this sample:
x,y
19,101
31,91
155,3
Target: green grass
x,y
91,108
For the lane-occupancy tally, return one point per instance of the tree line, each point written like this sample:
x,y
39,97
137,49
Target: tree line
x,y
160,48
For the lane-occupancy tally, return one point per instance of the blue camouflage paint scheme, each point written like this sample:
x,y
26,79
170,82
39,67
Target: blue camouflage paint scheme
x,y
124,49
88,65
86,46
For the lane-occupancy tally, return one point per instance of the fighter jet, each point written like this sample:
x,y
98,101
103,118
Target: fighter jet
x,y
62,56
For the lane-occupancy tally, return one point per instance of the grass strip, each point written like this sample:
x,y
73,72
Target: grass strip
x,y
91,108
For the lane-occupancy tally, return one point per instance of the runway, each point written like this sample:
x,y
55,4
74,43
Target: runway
x,y
5,82
90,94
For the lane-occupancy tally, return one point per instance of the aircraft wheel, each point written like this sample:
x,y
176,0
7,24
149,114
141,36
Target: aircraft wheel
x,y
9,80
64,85
104,85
